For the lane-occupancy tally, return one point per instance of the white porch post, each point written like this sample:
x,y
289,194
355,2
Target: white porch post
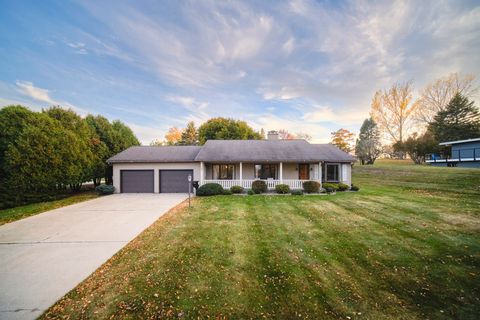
x,y
281,172
201,173
320,173
241,174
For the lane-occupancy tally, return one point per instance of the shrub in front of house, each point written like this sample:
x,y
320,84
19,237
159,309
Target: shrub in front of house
x,y
209,189
311,186
329,190
343,187
259,186
282,188
297,192
227,192
105,189
328,185
250,192
236,189
354,188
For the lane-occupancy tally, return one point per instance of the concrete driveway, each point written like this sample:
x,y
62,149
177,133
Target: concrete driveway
x,y
45,256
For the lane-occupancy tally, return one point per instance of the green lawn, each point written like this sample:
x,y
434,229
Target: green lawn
x,y
407,246
17,213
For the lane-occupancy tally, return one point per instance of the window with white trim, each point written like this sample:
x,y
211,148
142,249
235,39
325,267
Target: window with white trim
x,y
332,172
223,171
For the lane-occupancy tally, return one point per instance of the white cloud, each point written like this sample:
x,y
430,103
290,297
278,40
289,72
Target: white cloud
x,y
79,47
28,89
289,45
196,109
317,114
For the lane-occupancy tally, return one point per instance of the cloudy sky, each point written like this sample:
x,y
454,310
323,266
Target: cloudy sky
x,y
309,66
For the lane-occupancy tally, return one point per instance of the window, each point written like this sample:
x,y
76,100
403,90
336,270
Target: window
x,y
223,171
265,171
332,172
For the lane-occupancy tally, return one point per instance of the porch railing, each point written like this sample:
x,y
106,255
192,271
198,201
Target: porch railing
x,y
469,154
247,184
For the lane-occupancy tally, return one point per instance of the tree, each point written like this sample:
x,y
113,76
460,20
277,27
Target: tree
x,y
368,146
85,157
460,120
417,146
436,96
343,139
189,135
115,137
173,136
157,143
125,138
43,157
303,135
226,129
285,135
392,110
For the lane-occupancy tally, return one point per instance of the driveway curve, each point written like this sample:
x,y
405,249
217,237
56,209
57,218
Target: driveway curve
x,y
45,256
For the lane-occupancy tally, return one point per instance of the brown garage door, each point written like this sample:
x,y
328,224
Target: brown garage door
x,y
174,181
136,181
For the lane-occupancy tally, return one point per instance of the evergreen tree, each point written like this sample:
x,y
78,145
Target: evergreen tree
x,y
460,120
189,135
368,146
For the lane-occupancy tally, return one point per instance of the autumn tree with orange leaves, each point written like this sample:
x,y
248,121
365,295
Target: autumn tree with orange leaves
x,y
343,139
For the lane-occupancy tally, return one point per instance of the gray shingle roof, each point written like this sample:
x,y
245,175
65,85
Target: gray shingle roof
x,y
236,151
269,151
156,154
332,153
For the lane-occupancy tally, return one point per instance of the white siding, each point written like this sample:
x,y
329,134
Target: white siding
x,y
195,166
346,170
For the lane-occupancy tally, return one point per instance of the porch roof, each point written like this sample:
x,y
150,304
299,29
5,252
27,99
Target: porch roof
x,y
270,151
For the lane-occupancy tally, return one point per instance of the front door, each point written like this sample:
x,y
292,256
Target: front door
x,y
303,173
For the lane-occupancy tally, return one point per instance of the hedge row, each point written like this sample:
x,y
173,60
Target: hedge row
x,y
259,186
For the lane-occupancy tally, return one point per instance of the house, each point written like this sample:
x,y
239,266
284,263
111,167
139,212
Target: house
x,y
460,153
152,169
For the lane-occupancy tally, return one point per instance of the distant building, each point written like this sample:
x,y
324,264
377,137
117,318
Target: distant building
x,y
463,153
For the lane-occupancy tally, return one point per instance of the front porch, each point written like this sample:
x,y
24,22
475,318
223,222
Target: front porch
x,y
247,184
290,173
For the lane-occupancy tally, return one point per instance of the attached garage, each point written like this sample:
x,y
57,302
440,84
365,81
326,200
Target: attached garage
x,y
174,181
137,181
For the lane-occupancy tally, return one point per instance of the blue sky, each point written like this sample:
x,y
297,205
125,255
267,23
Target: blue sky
x,y
305,66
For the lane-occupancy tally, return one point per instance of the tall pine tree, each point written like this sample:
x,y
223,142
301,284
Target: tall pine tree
x,y
368,146
460,120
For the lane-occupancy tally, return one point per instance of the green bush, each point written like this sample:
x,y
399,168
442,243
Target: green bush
x,y
209,189
297,192
282,188
250,192
354,188
259,186
236,189
329,190
227,192
343,187
105,189
328,185
311,186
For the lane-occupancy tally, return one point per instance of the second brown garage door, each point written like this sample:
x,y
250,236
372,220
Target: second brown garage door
x,y
174,181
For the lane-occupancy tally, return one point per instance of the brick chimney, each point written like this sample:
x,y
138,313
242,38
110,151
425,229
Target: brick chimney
x,y
272,135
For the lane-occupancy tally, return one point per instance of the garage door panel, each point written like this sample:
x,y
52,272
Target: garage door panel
x,y
137,181
174,181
